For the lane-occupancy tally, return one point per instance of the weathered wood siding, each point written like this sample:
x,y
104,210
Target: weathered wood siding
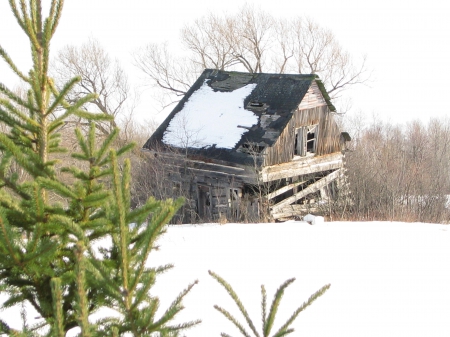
x,y
328,140
212,191
313,98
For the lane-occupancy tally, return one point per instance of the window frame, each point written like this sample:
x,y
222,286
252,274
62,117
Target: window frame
x,y
304,136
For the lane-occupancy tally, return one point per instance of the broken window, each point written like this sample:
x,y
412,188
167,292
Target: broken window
x,y
235,194
306,140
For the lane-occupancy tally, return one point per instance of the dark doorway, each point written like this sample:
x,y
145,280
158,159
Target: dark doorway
x,y
204,202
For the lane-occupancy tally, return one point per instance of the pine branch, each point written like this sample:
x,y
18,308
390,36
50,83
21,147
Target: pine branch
x,y
126,178
100,155
263,306
174,309
181,327
22,156
270,318
141,294
284,333
232,320
236,299
7,239
10,183
11,64
96,199
58,327
311,299
24,123
274,307
19,18
56,14
15,98
81,295
90,116
4,328
126,148
146,241
45,248
121,218
91,143
138,215
83,145
60,98
56,186
102,275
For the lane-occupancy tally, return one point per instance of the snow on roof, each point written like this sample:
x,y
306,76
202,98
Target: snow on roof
x,y
211,118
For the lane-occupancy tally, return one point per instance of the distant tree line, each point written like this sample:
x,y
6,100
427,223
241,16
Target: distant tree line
x,y
399,172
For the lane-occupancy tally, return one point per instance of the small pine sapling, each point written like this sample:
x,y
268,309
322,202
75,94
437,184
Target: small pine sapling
x,y
268,319
48,257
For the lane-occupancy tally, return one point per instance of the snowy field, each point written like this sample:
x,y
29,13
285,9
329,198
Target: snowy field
x,y
387,279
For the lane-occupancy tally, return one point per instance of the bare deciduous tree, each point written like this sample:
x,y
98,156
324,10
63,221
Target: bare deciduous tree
x,y
209,40
99,74
251,38
317,51
173,76
253,41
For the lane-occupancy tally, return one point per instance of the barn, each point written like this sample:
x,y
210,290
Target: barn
x,y
243,147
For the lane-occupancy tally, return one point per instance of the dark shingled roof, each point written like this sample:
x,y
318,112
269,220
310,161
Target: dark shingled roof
x,y
276,96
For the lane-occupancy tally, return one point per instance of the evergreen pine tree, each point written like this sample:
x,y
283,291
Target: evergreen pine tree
x,y
48,256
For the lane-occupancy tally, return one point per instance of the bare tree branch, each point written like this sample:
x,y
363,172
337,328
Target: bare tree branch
x,y
252,41
172,76
99,74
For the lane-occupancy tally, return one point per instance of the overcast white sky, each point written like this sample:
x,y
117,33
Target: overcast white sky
x,y
406,42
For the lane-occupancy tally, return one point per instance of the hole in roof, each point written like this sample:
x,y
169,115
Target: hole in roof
x,y
252,148
256,104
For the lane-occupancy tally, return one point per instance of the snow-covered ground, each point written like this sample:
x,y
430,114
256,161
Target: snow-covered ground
x,y
387,278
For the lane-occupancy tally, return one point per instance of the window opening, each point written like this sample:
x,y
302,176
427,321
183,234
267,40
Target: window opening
x,y
311,140
305,140
234,202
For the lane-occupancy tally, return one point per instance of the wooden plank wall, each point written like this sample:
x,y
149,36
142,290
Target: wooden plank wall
x,y
328,140
217,180
313,98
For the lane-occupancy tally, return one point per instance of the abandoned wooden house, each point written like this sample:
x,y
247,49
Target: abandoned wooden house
x,y
241,144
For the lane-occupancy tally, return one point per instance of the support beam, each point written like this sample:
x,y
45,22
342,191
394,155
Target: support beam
x,y
302,166
284,189
308,190
294,210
